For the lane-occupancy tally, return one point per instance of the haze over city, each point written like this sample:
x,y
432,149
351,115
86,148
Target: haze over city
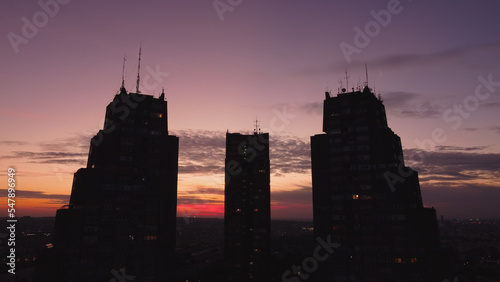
x,y
223,64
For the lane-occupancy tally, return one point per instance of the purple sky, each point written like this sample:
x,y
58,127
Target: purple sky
x,y
265,59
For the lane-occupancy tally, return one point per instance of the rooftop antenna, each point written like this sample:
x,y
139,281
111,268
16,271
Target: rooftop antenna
x,y
366,71
257,129
123,73
162,95
138,72
346,80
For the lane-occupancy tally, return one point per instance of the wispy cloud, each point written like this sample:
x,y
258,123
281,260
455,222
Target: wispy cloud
x,y
456,54
311,108
13,143
411,105
462,55
455,166
28,194
495,128
48,157
459,148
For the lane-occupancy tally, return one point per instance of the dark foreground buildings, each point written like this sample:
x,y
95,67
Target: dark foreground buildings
x,y
247,207
365,198
120,222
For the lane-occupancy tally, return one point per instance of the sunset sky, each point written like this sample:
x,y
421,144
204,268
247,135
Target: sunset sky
x,y
225,63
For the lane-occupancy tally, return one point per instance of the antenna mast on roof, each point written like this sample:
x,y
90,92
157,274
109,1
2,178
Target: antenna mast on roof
x,y
123,73
138,72
346,79
366,70
257,129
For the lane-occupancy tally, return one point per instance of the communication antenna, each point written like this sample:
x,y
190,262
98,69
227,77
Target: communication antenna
x,y
138,72
346,80
366,70
123,73
257,129
162,95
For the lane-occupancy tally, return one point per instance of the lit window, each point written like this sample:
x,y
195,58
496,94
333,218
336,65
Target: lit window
x,y
238,210
355,197
398,260
413,260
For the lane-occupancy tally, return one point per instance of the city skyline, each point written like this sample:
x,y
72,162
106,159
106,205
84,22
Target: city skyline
x,y
270,61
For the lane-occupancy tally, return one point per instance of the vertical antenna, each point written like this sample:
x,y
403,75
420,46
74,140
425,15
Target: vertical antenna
x,y
346,80
366,70
123,73
256,126
138,72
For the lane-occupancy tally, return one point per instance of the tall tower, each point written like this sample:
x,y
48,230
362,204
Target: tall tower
x,y
247,207
365,198
121,218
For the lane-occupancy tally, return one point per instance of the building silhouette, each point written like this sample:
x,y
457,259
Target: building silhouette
x,y
247,212
121,219
365,199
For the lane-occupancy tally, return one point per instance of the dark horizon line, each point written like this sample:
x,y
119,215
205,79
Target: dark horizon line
x,y
276,219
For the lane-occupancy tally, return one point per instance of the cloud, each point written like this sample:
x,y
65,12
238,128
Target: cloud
x,y
495,128
458,148
27,194
13,143
77,143
48,157
312,108
65,151
462,55
410,105
201,196
203,152
289,154
455,166
457,54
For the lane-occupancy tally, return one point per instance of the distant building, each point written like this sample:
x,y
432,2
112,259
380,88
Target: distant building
x,y
247,212
365,199
121,219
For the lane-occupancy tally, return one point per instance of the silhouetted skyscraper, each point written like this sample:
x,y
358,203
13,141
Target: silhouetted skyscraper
x,y
365,198
247,207
120,222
